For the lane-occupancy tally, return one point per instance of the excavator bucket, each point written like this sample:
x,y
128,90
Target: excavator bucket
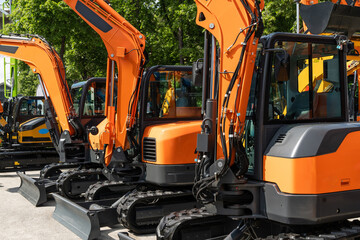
x,y
35,190
83,218
328,17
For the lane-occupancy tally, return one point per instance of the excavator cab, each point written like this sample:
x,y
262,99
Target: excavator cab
x,y
89,101
296,131
30,122
285,112
25,138
172,95
170,108
25,123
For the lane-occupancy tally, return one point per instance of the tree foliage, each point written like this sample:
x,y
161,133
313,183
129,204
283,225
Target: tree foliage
x,y
169,26
77,44
279,16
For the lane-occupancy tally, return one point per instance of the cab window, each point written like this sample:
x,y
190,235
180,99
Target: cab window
x,y
95,100
76,94
305,82
32,107
171,94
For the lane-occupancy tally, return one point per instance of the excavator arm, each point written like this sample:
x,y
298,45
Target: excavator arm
x,y
44,61
236,25
125,46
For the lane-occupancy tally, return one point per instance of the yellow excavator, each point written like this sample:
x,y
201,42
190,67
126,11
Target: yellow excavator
x,y
25,140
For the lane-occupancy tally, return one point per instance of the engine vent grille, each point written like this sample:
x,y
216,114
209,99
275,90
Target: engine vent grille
x,y
281,138
149,149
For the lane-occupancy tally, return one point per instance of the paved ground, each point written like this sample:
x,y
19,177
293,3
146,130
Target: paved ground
x,y
21,220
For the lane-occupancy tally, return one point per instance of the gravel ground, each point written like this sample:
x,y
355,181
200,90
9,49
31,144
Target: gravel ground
x,y
21,220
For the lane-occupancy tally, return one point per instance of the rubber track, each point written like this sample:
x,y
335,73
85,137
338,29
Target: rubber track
x,y
65,178
189,224
51,167
348,233
90,192
168,228
126,208
93,191
169,224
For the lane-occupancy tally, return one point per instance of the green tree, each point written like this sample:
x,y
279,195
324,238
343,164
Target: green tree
x,y
172,35
78,45
169,26
28,80
279,16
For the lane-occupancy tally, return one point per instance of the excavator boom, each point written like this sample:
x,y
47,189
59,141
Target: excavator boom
x,y
236,25
125,46
43,59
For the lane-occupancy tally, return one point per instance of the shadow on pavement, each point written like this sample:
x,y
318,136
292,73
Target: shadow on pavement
x,y
14,175
144,236
13,190
50,203
105,233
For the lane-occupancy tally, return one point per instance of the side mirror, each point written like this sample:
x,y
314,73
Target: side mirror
x,y
197,72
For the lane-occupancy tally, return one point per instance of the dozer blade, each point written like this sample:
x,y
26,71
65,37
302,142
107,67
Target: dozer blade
x,y
82,221
328,17
34,190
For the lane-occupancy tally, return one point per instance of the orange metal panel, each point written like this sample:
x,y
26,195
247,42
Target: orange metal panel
x,y
175,142
319,174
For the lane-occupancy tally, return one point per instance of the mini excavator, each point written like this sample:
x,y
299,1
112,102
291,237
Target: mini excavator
x,y
276,160
25,141
146,194
61,116
145,146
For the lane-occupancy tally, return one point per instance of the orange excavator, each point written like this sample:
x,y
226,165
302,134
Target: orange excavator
x,y
45,62
277,162
147,141
65,124
128,165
